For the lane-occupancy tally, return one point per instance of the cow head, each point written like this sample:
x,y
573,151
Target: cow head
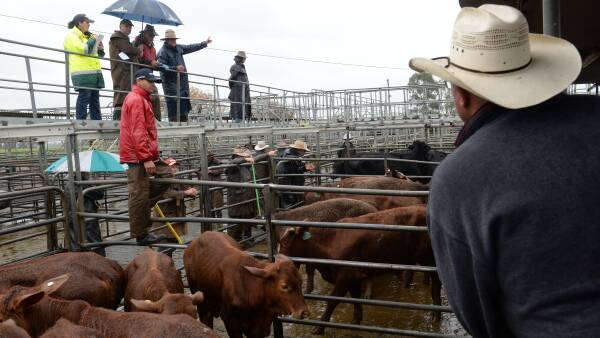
x,y
290,236
18,299
283,287
171,304
420,150
10,329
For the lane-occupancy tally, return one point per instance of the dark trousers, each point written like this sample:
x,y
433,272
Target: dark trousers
x,y
184,108
92,234
91,98
143,195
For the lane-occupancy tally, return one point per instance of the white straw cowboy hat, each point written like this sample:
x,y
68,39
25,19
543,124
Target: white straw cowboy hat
x,y
170,34
494,56
299,144
261,145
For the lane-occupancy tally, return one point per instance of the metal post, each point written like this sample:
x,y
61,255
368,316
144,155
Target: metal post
x,y
318,151
551,12
178,98
204,190
67,88
243,102
31,92
215,110
71,197
272,247
52,235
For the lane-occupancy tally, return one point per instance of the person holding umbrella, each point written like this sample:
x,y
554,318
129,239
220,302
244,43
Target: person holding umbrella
x,y
120,48
171,57
85,71
146,42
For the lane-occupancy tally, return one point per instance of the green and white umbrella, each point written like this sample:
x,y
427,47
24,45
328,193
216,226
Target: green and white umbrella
x,y
91,161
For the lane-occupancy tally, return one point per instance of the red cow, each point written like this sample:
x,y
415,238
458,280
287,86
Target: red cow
x,y
154,285
245,292
9,329
326,211
100,281
381,202
34,311
65,329
380,246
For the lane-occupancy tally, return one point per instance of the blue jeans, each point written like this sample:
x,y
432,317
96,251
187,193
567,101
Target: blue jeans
x,y
88,97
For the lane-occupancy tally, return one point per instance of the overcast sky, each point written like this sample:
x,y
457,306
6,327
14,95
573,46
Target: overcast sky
x,y
378,32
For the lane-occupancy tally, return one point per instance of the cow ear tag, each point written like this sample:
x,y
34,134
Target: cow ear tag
x,y
306,236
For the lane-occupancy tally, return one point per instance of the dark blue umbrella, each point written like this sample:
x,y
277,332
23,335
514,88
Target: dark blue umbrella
x,y
149,11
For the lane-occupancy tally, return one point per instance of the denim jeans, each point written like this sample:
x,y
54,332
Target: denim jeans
x,y
88,97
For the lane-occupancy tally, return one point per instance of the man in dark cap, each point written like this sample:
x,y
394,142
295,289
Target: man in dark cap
x,y
145,40
138,148
121,49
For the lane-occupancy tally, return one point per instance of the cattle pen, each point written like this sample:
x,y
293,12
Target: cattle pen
x,y
37,207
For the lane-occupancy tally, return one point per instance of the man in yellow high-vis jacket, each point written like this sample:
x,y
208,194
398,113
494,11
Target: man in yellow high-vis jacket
x,y
86,73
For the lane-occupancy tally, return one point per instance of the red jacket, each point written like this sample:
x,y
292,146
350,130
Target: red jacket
x,y
138,136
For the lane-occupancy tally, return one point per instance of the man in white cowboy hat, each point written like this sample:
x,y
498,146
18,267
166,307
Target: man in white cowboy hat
x,y
262,154
170,56
293,166
238,84
513,212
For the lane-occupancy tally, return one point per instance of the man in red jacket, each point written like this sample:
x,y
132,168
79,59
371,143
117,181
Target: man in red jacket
x,y
139,150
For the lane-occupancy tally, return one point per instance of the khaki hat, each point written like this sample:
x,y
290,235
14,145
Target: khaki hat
x,y
494,56
241,54
170,34
299,144
261,145
281,144
241,151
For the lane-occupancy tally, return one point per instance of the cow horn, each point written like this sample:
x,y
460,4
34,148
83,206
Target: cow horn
x,y
258,272
197,297
145,305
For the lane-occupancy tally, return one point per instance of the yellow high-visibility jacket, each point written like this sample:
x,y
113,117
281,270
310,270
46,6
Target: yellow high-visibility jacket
x,y
85,71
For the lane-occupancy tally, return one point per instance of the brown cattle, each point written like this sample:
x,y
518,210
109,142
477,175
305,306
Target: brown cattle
x,y
65,329
380,246
245,292
99,280
36,312
154,285
9,329
381,202
325,211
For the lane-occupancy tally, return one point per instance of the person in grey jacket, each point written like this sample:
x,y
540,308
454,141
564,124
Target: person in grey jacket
x,y
513,211
240,90
170,56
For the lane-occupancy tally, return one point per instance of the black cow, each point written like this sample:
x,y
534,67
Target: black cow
x,y
418,150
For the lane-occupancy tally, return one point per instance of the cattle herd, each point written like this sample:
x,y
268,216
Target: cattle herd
x,y
77,294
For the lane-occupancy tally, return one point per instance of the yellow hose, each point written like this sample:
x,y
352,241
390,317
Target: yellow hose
x,y
160,213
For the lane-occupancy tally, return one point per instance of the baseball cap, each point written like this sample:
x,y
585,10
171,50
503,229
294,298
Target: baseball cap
x,y
147,74
126,22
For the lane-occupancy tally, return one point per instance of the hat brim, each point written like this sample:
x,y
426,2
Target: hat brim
x,y
154,79
296,147
163,39
555,65
261,148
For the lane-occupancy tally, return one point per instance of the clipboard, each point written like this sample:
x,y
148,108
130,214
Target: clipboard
x,y
98,40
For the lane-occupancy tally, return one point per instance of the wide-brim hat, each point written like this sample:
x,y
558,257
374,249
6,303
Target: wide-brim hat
x,y
299,144
241,54
261,145
170,34
149,29
494,56
281,144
